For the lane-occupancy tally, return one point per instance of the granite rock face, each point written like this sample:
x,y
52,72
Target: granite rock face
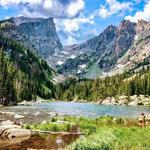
x,y
114,50
110,51
38,34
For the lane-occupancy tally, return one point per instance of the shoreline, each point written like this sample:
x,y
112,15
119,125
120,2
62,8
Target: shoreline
x,y
24,116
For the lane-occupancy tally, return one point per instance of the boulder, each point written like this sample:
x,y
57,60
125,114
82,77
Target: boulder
x,y
133,103
123,102
107,101
133,98
17,132
18,116
9,129
7,113
146,101
122,97
7,122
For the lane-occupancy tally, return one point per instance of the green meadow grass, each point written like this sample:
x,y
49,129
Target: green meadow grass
x,y
103,133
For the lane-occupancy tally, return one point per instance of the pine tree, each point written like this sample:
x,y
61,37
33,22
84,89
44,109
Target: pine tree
x,y
1,75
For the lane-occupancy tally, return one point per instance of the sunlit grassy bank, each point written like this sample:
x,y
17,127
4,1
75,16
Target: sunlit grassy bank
x,y
104,133
115,138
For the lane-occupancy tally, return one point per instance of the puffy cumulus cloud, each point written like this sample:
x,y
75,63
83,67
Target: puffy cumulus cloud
x,y
8,3
72,25
46,8
75,7
113,7
69,29
145,14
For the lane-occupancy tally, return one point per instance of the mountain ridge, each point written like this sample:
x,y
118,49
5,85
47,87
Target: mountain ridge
x,y
38,34
106,49
93,58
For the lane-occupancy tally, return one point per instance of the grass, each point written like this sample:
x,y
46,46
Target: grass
x,y
87,126
115,138
103,133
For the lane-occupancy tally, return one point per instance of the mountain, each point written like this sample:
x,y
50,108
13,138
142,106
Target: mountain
x,y
108,53
23,75
38,34
138,55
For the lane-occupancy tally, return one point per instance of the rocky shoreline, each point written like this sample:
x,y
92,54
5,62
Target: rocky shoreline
x,y
121,100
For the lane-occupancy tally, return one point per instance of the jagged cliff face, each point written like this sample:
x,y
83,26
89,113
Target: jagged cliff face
x,y
114,50
138,55
36,33
109,52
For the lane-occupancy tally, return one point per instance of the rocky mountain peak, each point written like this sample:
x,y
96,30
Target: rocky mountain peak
x,y
124,36
142,26
102,52
36,33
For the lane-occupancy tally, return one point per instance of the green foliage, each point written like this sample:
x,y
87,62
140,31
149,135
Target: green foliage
x,y
129,83
23,75
115,138
87,126
103,133
51,126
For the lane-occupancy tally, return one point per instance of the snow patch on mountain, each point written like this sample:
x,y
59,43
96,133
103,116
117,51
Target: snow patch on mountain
x,y
82,66
60,62
72,57
79,71
65,52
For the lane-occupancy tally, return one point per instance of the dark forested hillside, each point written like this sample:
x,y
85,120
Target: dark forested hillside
x,y
23,75
128,83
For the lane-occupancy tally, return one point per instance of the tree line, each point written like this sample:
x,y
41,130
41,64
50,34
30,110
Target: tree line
x,y
129,83
23,75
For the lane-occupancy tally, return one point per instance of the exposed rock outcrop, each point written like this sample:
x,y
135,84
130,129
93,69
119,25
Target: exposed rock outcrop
x,y
36,33
10,130
114,50
125,100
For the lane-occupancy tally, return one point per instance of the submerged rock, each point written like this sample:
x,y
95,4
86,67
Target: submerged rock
x,y
18,116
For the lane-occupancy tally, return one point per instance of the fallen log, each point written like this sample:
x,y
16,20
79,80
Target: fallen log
x,y
56,133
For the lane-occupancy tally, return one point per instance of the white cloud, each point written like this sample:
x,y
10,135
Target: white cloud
x,y
7,3
75,7
103,12
145,14
48,4
113,7
46,8
72,25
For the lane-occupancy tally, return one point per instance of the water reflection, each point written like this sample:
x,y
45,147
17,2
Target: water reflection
x,y
46,142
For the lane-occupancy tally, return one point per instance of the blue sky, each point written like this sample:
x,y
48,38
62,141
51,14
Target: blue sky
x,y
78,20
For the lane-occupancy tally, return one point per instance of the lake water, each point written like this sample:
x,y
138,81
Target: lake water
x,y
81,109
39,112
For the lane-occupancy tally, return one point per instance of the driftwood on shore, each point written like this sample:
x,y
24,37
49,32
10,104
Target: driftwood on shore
x,y
56,133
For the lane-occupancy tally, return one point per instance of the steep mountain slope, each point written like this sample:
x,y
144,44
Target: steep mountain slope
x,y
139,53
23,75
34,33
103,53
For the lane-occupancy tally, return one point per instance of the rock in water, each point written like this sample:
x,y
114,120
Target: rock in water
x,y
18,116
